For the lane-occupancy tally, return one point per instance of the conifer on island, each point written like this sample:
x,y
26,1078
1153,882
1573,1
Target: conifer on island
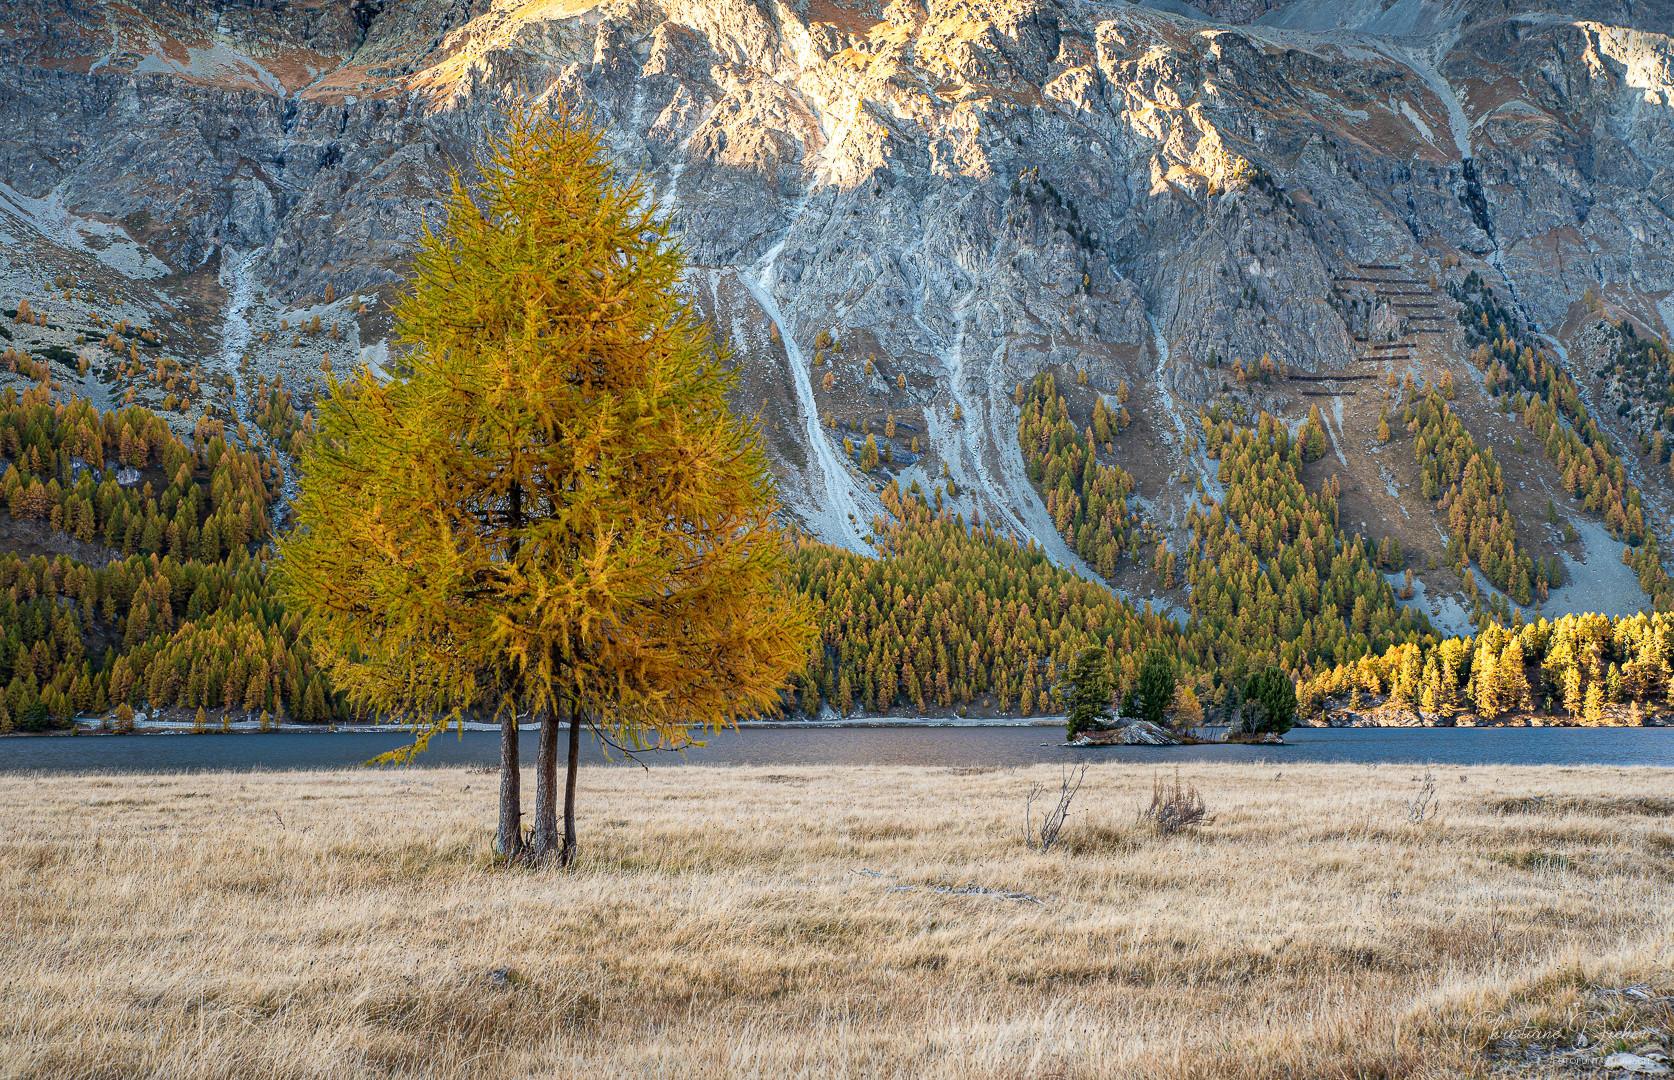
x,y
1088,696
555,514
1156,686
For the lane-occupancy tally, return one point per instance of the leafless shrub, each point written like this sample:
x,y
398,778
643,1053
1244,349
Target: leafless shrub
x,y
1424,806
1174,806
1043,835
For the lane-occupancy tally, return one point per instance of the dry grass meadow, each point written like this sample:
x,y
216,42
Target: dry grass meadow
x,y
830,923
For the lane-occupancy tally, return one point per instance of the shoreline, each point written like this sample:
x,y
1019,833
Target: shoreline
x,y
248,727
85,729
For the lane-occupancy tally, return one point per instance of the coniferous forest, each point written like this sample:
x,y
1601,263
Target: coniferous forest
x,y
166,603
171,608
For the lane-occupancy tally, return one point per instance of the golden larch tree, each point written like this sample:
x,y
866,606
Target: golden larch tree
x,y
554,513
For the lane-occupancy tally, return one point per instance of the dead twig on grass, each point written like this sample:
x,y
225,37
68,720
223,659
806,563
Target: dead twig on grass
x,y
970,888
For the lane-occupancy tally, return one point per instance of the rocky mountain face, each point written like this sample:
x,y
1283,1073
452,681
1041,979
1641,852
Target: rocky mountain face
x,y
904,209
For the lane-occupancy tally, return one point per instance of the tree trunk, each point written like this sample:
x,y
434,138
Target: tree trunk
x,y
509,840
568,855
544,841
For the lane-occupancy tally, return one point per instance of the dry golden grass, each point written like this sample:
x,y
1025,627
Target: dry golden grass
x,y
734,923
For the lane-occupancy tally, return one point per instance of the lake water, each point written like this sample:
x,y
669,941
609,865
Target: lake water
x,y
984,746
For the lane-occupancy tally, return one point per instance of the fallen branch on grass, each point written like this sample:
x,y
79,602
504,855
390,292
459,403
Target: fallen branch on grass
x,y
968,889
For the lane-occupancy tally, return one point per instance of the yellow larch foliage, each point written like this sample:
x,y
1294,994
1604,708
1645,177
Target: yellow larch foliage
x,y
555,512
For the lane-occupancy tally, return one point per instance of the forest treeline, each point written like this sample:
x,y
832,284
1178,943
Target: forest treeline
x,y
1646,369
948,614
1575,666
1468,485
951,615
178,612
1087,499
212,499
1273,580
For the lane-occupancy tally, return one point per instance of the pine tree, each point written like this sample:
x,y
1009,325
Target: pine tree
x,y
1592,713
1447,690
1514,684
1088,693
1573,700
1485,674
1313,436
869,454
1274,693
555,513
1156,687
1188,711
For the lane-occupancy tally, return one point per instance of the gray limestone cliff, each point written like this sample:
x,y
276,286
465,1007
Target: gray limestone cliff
x,y
957,192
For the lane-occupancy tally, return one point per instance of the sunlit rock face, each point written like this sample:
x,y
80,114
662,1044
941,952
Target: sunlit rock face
x,y
957,193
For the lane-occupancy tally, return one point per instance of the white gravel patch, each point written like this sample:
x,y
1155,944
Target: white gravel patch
x,y
1599,582
1452,619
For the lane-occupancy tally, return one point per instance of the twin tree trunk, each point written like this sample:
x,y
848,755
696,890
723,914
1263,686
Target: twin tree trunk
x,y
545,841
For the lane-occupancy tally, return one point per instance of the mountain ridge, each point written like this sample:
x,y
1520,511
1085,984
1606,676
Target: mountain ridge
x,y
958,194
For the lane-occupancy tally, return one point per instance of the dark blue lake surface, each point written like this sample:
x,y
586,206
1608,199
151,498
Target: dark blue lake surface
x,y
992,746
